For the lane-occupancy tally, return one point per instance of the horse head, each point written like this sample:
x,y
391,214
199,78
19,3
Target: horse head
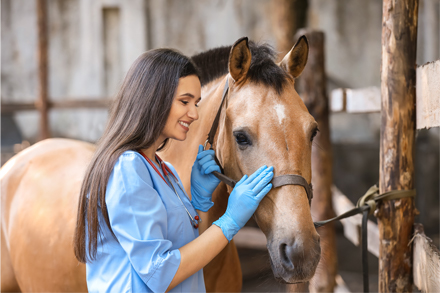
x,y
264,122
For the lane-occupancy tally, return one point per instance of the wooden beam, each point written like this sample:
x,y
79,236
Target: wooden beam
x,y
426,257
397,140
338,100
311,86
62,104
71,104
352,225
363,100
17,107
428,95
43,87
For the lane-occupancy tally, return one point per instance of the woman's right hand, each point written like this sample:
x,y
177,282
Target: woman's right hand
x,y
242,203
244,200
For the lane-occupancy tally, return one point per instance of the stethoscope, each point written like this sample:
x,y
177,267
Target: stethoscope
x,y
166,171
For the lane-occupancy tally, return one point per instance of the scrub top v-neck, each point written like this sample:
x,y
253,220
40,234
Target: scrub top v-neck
x,y
150,224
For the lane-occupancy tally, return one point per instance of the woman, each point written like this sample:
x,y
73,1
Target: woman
x,y
136,228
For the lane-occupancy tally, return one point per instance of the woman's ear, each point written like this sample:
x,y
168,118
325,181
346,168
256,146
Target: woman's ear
x,y
295,61
239,59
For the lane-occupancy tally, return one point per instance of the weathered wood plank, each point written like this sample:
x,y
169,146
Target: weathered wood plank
x,y
367,100
341,287
338,100
363,100
426,258
428,95
352,225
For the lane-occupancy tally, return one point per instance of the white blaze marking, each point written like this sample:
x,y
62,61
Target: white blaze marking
x,y
280,112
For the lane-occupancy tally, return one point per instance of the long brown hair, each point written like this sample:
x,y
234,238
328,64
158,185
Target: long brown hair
x,y
137,118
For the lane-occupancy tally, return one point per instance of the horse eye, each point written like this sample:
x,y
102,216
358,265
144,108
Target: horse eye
x,y
315,132
242,139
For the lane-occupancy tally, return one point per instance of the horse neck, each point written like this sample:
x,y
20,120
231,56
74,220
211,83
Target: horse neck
x,y
182,154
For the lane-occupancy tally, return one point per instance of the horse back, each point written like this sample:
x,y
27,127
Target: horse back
x,y
39,192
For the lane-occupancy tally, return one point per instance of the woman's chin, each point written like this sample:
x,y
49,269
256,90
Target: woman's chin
x,y
180,137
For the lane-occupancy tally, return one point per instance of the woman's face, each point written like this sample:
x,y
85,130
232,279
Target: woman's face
x,y
184,109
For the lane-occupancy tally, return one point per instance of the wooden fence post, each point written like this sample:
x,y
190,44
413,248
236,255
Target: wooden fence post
x,y
287,16
42,102
312,88
398,80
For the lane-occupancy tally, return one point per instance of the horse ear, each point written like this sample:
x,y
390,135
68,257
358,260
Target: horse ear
x,y
295,61
239,59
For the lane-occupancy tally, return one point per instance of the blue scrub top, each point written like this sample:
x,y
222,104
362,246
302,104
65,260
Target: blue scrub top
x,y
150,224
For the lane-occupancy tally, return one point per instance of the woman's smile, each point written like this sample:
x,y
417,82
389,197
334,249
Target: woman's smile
x,y
185,125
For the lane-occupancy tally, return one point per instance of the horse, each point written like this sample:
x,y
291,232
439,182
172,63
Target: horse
x,y
262,122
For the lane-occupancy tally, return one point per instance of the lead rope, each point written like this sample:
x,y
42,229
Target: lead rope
x,y
366,206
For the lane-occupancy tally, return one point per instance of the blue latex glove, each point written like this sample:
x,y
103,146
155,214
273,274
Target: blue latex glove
x,y
203,182
244,200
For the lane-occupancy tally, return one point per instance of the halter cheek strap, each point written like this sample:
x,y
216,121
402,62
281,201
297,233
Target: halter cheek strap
x,y
278,181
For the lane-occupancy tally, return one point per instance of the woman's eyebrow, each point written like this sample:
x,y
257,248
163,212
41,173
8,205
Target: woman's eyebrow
x,y
189,95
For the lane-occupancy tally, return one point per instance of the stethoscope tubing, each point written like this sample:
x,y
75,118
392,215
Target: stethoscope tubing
x,y
193,221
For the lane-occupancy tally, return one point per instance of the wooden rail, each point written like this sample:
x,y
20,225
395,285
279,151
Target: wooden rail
x,y
352,225
426,258
428,95
62,104
367,100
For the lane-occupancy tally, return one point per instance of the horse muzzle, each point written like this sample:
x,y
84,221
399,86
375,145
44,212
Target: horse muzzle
x,y
295,261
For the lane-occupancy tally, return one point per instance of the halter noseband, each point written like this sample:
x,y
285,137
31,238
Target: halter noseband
x,y
278,181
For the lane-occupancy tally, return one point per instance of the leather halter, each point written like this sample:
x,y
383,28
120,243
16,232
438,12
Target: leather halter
x,y
278,181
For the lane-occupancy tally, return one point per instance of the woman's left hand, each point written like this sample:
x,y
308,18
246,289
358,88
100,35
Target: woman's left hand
x,y
203,182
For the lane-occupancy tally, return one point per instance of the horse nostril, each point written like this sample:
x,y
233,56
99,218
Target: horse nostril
x,y
287,253
283,253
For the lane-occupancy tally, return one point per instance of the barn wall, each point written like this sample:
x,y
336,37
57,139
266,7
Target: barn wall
x,y
93,43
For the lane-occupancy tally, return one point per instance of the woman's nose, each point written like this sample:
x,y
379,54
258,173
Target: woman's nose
x,y
193,113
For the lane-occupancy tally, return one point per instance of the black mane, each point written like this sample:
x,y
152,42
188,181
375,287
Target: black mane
x,y
214,63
